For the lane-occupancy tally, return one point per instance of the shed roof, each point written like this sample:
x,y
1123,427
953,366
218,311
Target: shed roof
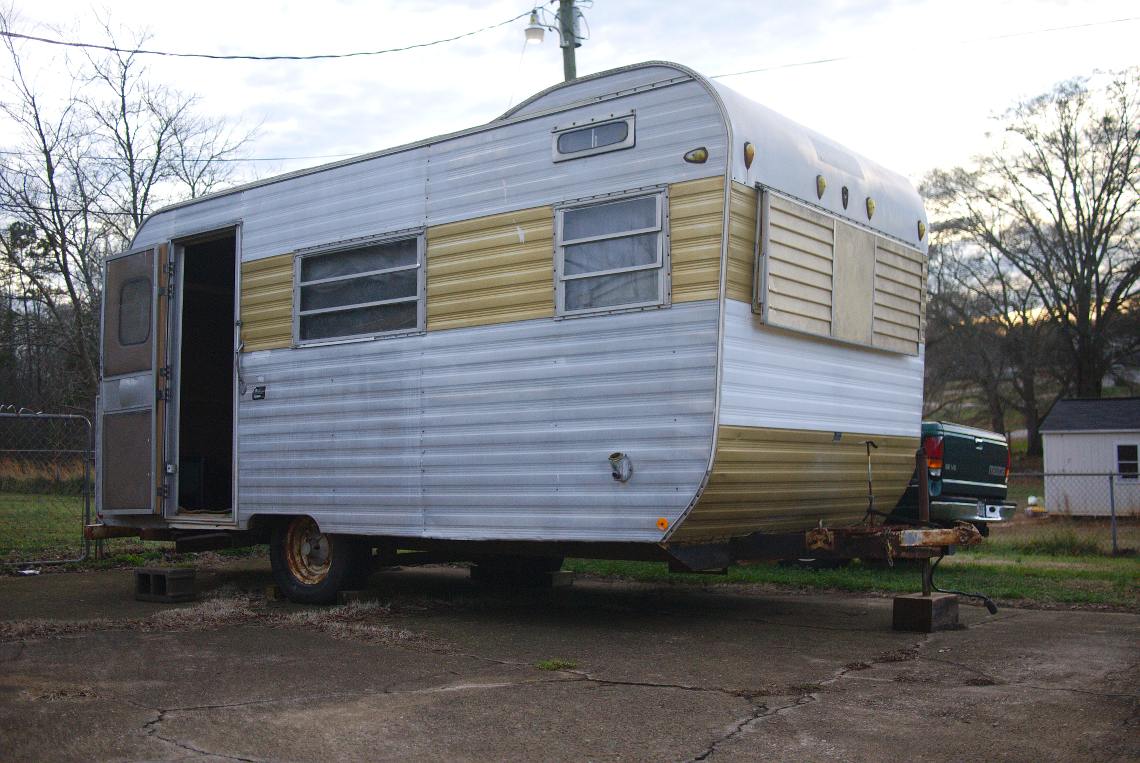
x,y
1093,414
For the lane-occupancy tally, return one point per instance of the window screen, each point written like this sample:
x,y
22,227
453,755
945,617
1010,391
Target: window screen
x,y
1127,463
576,142
134,311
611,254
363,291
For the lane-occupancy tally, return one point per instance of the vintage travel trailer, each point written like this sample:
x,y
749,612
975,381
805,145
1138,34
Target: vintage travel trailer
x,y
635,313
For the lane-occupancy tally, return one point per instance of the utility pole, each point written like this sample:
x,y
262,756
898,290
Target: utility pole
x,y
568,39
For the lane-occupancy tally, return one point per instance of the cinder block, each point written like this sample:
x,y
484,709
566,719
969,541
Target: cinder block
x,y
164,584
926,614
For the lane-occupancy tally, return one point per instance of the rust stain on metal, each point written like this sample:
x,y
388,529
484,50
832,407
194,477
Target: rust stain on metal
x,y
819,539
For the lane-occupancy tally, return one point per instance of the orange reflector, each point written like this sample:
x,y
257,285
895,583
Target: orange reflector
x,y
697,156
662,523
749,155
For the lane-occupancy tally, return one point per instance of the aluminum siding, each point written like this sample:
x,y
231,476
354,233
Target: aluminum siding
x,y
488,432
267,303
783,479
784,380
696,223
491,270
491,170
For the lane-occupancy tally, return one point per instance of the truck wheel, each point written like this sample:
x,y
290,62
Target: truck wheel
x,y
310,567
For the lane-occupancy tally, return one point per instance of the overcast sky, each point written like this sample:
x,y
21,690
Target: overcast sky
x,y
915,90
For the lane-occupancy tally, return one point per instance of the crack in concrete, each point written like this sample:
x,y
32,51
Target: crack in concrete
x,y
151,728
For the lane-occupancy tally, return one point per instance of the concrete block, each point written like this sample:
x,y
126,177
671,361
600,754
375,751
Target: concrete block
x,y
164,584
926,614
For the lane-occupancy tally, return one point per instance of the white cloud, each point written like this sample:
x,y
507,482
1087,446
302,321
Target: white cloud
x,y
912,96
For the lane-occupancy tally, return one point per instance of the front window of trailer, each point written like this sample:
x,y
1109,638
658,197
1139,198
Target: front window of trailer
x,y
361,291
612,254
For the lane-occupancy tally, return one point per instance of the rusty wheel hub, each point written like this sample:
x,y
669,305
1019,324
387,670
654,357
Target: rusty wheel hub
x,y
307,551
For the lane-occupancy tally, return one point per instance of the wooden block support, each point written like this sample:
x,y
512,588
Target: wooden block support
x,y
926,614
164,584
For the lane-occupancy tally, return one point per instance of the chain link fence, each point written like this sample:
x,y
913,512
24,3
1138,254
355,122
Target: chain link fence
x,y
1111,496
46,487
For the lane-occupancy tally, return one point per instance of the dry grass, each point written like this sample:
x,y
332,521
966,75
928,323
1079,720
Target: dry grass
x,y
227,607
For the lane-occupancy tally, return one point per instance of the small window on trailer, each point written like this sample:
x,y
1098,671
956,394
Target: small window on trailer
x,y
134,311
1128,461
359,290
612,254
612,134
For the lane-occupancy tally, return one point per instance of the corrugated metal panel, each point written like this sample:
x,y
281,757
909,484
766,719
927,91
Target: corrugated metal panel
x,y
783,380
799,263
495,169
493,269
741,242
267,303
772,479
900,296
696,224
597,87
488,432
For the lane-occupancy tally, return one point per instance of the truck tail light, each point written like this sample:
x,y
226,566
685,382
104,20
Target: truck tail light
x,y
1007,463
933,447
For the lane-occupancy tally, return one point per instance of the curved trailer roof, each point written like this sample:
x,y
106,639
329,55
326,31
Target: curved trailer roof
x,y
788,158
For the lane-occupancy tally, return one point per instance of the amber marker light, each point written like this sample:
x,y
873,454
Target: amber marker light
x,y
749,155
870,207
820,186
662,523
921,230
697,156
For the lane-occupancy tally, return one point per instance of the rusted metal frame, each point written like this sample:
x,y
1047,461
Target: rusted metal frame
x,y
922,469
88,455
863,542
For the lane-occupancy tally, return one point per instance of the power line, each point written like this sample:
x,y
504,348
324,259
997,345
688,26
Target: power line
x,y
220,57
817,61
208,160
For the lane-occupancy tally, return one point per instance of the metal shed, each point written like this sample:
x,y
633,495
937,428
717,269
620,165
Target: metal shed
x,y
1091,456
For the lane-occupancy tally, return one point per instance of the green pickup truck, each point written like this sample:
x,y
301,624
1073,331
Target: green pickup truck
x,y
969,469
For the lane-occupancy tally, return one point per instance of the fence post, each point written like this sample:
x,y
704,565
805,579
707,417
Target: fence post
x,y
1112,509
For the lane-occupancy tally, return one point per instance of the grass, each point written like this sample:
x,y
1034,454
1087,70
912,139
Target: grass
x,y
1050,562
556,663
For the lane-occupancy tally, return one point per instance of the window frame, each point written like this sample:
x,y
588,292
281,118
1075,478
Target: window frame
x,y
1120,474
149,302
662,264
630,140
339,247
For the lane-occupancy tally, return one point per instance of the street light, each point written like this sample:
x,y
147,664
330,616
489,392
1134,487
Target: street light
x,y
565,23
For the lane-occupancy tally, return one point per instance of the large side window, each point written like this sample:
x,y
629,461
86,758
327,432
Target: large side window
x,y
612,254
364,290
1128,461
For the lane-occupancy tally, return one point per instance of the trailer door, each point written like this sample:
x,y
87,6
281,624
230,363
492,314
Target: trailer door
x,y
133,394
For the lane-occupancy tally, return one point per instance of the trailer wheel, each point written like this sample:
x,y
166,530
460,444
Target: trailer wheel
x,y
310,567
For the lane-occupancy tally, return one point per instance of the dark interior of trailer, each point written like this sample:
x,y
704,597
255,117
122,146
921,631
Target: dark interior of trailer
x,y
205,370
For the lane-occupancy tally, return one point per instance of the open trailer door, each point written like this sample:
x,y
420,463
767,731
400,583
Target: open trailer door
x,y
133,391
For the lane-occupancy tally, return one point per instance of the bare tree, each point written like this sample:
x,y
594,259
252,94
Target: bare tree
x,y
86,169
1057,202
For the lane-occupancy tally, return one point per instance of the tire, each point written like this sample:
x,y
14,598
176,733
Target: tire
x,y
311,567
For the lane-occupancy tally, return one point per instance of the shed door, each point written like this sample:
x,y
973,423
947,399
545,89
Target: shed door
x,y
133,408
